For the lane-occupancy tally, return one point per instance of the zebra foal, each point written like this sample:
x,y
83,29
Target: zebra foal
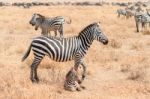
x,y
65,49
48,24
72,81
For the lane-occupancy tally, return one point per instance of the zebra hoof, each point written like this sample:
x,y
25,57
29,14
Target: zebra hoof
x,y
83,77
79,81
83,87
78,89
34,80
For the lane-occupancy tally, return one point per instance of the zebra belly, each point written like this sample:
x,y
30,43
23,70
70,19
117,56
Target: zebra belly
x,y
62,58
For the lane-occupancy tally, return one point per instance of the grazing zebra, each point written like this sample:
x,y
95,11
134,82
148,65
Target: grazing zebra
x,y
48,24
72,81
121,12
65,49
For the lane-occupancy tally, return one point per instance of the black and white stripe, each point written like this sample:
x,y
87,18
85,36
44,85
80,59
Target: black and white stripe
x,y
142,19
72,81
48,24
65,49
122,12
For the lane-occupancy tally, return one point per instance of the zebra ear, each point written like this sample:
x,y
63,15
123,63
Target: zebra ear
x,y
98,23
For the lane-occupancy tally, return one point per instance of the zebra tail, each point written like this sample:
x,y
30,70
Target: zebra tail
x,y
26,54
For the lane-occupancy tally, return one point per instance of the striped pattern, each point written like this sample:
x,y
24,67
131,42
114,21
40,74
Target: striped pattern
x,y
121,12
48,24
72,81
142,19
65,49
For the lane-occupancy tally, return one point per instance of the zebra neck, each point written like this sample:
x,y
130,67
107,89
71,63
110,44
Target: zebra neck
x,y
86,41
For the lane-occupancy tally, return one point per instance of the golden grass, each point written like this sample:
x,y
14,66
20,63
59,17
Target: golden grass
x,y
109,66
146,32
115,44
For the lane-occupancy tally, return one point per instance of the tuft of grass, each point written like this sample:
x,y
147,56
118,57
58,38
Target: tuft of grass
x,y
115,44
125,68
146,32
20,50
135,75
136,46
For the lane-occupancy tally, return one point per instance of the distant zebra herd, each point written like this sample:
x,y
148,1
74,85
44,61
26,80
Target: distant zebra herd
x,y
62,49
141,18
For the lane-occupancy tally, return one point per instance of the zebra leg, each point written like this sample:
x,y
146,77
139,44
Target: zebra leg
x,y
118,15
33,76
84,70
55,32
61,31
36,27
137,25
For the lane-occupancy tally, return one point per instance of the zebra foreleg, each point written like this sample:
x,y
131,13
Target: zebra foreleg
x,y
61,31
84,70
33,76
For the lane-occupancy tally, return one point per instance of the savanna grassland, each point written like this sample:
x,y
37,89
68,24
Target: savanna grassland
x,y
119,70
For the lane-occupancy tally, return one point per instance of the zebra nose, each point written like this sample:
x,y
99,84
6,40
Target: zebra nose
x,y
106,42
30,22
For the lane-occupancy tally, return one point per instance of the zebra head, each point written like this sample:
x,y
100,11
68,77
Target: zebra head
x,y
72,74
99,35
36,19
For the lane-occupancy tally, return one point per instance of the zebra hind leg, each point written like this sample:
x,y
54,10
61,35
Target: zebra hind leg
x,y
33,76
55,32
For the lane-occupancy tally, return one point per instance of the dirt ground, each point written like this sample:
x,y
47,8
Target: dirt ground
x,y
119,70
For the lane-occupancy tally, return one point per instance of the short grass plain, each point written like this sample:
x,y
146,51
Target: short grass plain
x,y
119,70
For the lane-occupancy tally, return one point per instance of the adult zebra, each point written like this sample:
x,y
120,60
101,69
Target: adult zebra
x,y
48,24
65,49
142,19
121,12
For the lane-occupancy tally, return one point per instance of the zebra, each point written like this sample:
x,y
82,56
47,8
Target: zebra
x,y
65,49
121,12
133,11
48,24
72,81
142,19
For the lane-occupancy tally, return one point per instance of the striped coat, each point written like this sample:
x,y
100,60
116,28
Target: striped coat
x,y
64,49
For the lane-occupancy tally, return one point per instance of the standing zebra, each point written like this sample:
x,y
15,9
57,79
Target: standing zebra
x,y
142,19
121,12
48,24
65,49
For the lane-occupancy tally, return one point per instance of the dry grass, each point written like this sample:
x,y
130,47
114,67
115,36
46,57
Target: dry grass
x,y
147,32
115,44
126,56
136,46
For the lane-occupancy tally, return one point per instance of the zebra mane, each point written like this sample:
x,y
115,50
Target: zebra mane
x,y
41,16
89,26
